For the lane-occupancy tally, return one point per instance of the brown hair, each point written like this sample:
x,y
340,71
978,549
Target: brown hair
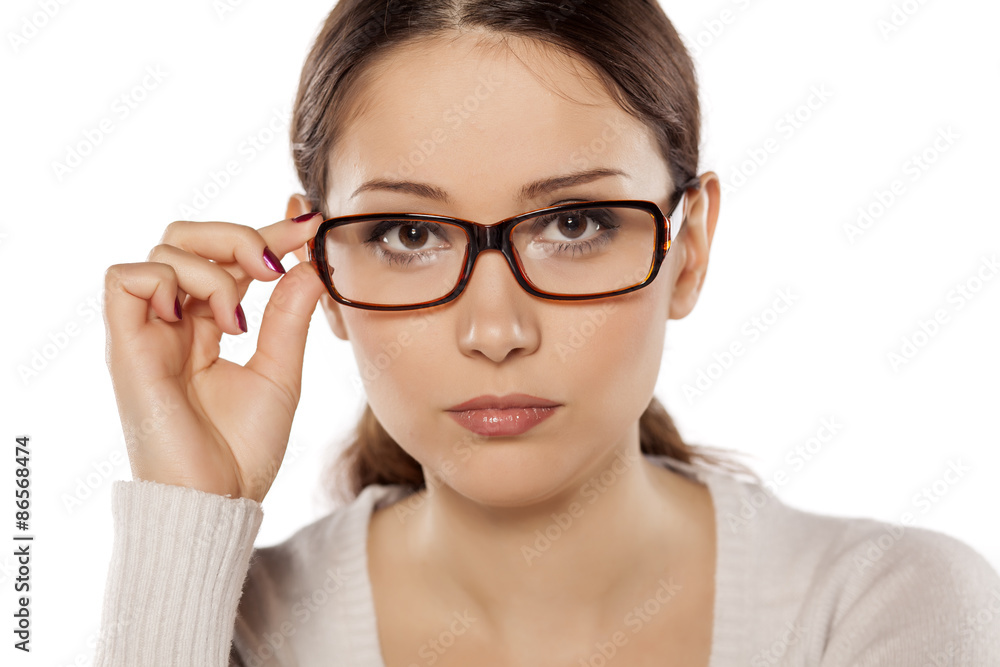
x,y
630,44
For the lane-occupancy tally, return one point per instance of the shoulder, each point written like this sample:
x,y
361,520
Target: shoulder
x,y
910,591
861,590
303,585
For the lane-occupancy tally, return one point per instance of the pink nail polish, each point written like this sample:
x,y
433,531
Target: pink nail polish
x,y
272,261
241,318
305,216
177,307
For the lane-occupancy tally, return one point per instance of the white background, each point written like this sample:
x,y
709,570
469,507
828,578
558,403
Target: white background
x,y
225,75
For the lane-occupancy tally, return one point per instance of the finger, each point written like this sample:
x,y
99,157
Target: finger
x,y
227,243
181,298
289,234
131,289
206,281
281,341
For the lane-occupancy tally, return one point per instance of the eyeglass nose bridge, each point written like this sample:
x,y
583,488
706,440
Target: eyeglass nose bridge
x,y
489,237
493,237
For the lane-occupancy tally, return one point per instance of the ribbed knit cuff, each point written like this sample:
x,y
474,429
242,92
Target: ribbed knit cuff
x,y
176,576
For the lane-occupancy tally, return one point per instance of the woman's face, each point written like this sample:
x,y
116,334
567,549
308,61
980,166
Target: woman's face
x,y
476,124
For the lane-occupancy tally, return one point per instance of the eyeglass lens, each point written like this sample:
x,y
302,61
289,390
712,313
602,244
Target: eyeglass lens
x,y
584,251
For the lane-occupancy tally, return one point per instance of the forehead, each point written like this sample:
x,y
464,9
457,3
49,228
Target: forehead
x,y
462,112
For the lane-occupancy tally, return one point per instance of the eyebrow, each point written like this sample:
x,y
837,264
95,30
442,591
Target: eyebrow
x,y
528,192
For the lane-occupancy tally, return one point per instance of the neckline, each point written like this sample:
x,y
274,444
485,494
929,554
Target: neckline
x,y
729,637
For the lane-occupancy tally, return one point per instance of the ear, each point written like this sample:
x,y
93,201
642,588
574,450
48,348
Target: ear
x,y
693,244
297,205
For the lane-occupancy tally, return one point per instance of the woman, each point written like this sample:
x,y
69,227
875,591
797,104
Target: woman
x,y
521,497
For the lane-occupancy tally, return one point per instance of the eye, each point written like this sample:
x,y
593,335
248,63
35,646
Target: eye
x,y
404,236
413,237
575,225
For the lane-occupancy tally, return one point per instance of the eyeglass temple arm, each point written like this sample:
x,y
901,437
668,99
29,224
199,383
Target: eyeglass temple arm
x,y
677,215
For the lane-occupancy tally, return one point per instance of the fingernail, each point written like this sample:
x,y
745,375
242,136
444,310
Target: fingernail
x,y
272,261
177,307
241,318
305,216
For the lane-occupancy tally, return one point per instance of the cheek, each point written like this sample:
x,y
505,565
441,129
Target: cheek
x,y
395,353
388,342
608,358
611,340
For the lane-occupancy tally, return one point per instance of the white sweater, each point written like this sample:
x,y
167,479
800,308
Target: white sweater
x,y
186,587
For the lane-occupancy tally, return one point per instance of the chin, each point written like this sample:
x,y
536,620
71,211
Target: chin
x,y
513,472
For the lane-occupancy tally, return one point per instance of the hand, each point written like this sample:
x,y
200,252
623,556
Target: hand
x,y
190,418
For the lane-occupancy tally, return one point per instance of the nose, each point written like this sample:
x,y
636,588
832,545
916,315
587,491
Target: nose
x,y
497,318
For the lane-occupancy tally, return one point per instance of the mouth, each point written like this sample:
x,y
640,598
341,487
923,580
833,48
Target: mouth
x,y
508,415
503,403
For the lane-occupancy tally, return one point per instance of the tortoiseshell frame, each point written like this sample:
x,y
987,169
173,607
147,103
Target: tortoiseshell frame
x,y
495,237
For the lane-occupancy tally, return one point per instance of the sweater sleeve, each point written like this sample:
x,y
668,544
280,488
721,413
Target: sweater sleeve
x,y
928,599
178,564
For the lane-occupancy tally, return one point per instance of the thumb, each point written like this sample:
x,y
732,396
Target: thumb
x,y
281,340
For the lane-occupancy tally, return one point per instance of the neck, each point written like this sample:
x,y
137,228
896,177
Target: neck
x,y
603,545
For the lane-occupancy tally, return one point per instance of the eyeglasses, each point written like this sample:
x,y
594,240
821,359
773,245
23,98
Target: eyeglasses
x,y
570,252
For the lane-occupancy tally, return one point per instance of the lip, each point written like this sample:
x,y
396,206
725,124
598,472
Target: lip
x,y
508,415
503,402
